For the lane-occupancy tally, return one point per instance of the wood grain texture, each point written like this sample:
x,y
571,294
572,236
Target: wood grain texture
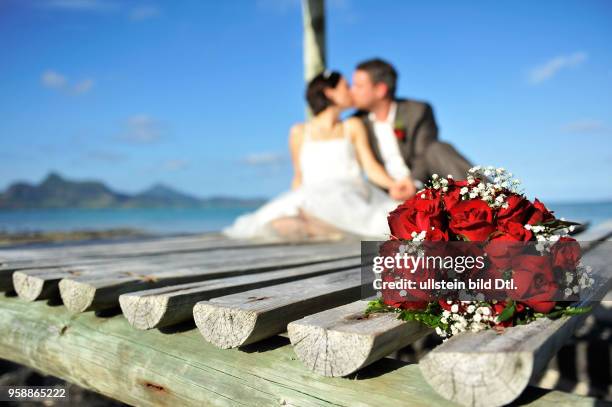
x,y
75,255
489,369
180,369
43,282
93,292
342,340
247,317
161,307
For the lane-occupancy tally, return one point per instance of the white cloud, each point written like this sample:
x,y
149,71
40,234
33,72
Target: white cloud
x,y
105,156
264,159
55,80
144,13
142,129
175,164
549,69
586,126
137,13
83,86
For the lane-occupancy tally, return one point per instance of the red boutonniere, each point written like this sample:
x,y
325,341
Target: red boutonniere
x,y
400,131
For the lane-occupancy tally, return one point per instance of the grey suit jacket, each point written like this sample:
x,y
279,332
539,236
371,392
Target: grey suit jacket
x,y
417,120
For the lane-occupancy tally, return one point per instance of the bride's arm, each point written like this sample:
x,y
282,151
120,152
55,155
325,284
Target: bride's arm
x,y
375,172
295,144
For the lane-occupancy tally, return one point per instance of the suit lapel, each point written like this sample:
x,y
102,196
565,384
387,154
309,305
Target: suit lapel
x,y
401,114
372,139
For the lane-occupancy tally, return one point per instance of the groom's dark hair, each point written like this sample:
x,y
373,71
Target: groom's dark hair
x,y
381,71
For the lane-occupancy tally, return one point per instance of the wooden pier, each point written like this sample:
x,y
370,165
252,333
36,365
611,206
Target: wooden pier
x,y
203,320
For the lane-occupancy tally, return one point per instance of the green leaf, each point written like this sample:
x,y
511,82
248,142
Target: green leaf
x,y
578,310
378,306
508,312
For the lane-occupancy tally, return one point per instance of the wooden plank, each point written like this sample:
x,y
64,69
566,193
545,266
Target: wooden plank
x,y
42,283
33,284
595,235
340,341
488,369
129,247
153,368
86,293
248,317
93,254
161,307
317,358
98,254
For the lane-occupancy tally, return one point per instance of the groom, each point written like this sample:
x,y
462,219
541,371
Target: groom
x,y
402,133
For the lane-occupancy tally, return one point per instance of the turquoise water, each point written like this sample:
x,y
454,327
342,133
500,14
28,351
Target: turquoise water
x,y
154,220
596,212
197,220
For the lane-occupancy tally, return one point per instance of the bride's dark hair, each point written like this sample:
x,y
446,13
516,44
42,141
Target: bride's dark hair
x,y
315,94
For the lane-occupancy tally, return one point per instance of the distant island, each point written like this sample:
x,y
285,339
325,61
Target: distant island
x,y
56,191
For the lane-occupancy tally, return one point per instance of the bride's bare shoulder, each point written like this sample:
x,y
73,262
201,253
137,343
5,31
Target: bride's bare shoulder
x,y
355,125
296,133
297,129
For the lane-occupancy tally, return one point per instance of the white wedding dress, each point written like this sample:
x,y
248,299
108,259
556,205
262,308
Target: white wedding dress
x,y
333,189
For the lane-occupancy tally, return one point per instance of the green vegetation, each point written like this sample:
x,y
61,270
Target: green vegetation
x,y
57,192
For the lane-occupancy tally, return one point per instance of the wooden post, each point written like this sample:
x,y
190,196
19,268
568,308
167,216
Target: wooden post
x,y
314,39
180,369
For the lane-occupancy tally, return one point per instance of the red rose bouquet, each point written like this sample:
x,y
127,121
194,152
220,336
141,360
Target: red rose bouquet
x,y
515,239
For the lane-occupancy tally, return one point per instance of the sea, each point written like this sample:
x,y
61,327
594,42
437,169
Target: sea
x,y
198,220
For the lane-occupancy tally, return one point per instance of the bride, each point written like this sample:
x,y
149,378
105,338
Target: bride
x,y
329,197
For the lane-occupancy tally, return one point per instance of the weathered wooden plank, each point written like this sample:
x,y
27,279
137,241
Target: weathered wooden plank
x,y
132,247
241,319
488,369
153,368
85,293
101,254
41,283
596,233
161,307
340,341
37,283
95,254
340,363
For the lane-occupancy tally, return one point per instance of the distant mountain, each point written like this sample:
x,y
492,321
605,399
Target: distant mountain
x,y
58,192
163,195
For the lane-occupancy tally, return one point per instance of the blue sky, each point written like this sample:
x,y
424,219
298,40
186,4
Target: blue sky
x,y
200,95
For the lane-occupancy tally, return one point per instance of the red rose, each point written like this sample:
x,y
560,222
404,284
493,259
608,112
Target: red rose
x,y
452,196
539,214
499,307
428,204
414,299
566,253
516,231
402,220
504,245
518,210
472,219
436,235
420,213
535,282
400,134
